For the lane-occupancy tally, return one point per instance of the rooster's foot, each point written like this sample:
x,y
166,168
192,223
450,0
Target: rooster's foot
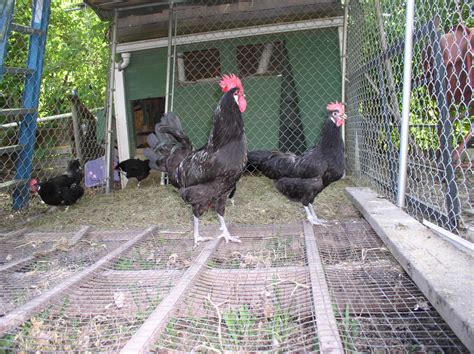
x,y
228,237
315,221
199,239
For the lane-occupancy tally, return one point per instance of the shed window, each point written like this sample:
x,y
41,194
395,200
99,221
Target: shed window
x,y
198,65
260,59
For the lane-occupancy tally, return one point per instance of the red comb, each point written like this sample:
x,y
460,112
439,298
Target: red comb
x,y
229,82
335,106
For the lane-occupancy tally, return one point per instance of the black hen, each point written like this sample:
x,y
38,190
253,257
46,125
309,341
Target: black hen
x,y
135,168
64,189
205,177
303,177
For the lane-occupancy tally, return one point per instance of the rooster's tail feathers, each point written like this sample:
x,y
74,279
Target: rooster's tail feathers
x,y
170,119
257,157
168,137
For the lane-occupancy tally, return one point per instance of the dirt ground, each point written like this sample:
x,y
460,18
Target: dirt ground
x,y
255,202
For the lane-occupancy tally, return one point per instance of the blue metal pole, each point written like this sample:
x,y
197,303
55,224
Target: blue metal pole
x,y
5,21
27,134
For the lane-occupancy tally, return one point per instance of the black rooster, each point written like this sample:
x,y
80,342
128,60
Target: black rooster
x,y
64,189
136,168
205,177
303,177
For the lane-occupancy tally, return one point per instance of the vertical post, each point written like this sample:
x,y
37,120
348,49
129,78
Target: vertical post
x,y
402,172
173,72
108,109
27,134
76,128
168,69
5,20
343,60
168,62
446,128
121,126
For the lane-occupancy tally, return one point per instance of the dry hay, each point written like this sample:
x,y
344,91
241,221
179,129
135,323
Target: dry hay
x,y
255,202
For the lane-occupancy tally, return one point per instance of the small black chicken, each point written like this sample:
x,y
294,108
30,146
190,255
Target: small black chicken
x,y
302,178
207,176
135,168
64,189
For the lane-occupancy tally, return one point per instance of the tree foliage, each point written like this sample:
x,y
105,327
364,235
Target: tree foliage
x,y
76,58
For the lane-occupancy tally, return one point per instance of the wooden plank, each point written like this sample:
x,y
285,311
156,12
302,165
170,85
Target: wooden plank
x,y
23,313
25,29
13,234
208,18
149,332
328,334
78,236
217,273
16,263
23,261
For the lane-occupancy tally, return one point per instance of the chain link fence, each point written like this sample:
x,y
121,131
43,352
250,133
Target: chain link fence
x,y
440,170
289,58
290,70
286,53
53,74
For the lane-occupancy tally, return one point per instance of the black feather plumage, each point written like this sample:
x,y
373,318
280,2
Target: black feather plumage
x,y
63,189
205,177
302,177
135,168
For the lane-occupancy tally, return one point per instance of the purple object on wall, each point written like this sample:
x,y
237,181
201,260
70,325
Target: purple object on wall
x,y
94,172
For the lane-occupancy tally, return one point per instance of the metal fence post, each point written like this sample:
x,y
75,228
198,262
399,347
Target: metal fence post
x,y
407,66
168,68
344,61
109,115
168,61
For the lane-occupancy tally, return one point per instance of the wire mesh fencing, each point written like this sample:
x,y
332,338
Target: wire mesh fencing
x,y
287,55
440,169
53,72
152,290
376,304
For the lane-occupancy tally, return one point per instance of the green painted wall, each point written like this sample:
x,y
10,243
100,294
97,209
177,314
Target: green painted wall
x,y
317,72
145,77
314,57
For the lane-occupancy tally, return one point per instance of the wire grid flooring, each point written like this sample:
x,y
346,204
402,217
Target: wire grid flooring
x,y
109,291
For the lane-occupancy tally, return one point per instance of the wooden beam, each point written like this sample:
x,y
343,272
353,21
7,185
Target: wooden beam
x,y
23,313
121,127
328,334
232,33
149,332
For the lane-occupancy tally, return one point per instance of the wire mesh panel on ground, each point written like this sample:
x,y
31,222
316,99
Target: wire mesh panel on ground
x,y
104,308
253,296
377,305
440,170
53,70
131,290
36,262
